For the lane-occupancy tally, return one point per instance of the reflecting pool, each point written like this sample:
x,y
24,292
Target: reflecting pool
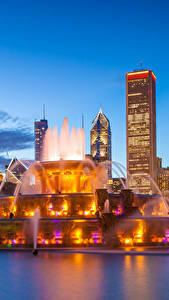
x,y
62,275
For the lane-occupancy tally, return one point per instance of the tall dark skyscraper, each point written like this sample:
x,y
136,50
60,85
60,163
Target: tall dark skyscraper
x,y
100,139
141,127
40,129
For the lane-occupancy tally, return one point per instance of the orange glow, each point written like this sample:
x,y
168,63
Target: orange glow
x,y
65,206
137,75
93,209
79,221
77,236
77,242
156,239
153,76
128,241
78,233
86,213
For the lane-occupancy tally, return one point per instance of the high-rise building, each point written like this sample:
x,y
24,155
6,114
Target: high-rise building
x,y
100,139
40,130
162,176
141,128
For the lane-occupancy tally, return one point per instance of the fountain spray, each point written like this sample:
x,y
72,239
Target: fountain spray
x,y
35,231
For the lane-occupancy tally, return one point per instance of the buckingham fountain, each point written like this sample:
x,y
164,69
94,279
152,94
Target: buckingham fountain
x,y
62,187
64,201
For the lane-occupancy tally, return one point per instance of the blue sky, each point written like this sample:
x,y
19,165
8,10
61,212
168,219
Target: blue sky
x,y
73,56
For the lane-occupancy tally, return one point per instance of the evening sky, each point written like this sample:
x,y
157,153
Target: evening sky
x,y
73,56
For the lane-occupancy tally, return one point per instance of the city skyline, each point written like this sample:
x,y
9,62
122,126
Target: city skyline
x,y
31,151
73,62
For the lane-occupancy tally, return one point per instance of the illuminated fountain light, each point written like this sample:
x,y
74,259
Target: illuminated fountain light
x,y
77,236
35,221
166,237
96,238
107,206
58,237
66,146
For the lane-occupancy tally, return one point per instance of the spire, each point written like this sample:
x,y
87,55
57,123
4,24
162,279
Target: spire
x,y
43,111
100,111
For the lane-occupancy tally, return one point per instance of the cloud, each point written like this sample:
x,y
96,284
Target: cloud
x,y
6,119
4,162
15,134
15,139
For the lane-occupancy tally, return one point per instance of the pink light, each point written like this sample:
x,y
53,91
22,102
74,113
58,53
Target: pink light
x,y
165,240
95,235
58,234
64,146
50,207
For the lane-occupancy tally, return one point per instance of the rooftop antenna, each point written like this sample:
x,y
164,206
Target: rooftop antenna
x,y
141,64
82,121
43,111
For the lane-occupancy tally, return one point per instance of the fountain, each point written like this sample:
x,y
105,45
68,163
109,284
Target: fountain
x,y
66,146
106,206
35,230
62,190
69,193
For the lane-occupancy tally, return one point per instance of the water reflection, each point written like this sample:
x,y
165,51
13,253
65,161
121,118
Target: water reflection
x,y
74,276
135,281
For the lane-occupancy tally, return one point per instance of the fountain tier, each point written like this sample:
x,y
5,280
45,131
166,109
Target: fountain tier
x,y
62,176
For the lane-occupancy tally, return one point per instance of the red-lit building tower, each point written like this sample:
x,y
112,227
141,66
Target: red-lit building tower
x,y
141,128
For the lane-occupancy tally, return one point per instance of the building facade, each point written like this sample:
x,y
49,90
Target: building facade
x,y
141,129
162,176
100,140
40,130
118,185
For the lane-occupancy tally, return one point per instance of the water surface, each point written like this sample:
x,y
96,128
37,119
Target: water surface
x,y
80,276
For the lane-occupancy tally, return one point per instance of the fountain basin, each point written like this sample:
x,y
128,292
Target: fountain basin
x,y
51,232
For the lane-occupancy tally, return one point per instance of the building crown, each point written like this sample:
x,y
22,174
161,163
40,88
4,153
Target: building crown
x,y
100,116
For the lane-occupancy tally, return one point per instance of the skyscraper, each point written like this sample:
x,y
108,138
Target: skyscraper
x,y
141,128
100,139
40,129
162,176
